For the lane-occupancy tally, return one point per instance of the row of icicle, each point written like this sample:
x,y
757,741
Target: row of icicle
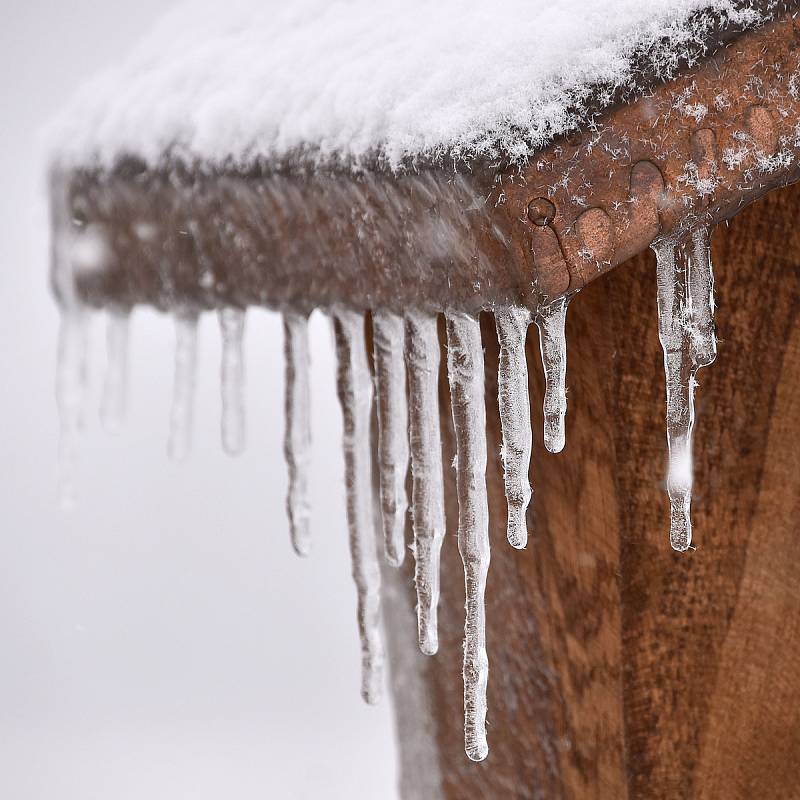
x,y
406,361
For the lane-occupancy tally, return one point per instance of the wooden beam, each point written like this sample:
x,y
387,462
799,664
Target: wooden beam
x,y
618,667
696,149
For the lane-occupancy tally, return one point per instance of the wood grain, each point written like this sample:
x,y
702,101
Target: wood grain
x,y
619,668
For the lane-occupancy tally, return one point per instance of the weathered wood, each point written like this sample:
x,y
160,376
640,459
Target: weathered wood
x,y
618,667
443,236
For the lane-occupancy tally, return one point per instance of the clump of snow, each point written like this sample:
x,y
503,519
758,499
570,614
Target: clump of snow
x,y
704,186
697,111
353,80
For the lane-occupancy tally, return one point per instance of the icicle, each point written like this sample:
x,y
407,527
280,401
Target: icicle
x,y
686,331
390,374
232,324
354,387
515,417
465,370
71,383
180,419
427,489
551,322
700,278
115,389
297,441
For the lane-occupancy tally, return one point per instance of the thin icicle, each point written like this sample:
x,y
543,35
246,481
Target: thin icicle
x,y
115,389
465,370
700,311
297,440
181,415
686,331
71,384
232,324
427,489
390,374
551,321
354,388
515,417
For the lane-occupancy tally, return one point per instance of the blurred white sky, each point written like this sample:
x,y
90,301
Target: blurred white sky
x,y
162,641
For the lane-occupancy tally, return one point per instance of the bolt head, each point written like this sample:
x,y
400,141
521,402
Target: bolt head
x,y
541,211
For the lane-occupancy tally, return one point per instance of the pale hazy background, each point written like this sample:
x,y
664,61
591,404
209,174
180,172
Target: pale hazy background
x,y
162,641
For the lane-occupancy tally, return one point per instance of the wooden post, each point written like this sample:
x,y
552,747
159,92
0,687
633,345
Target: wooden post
x,y
618,667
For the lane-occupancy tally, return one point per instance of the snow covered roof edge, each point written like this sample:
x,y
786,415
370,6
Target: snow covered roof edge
x,y
354,85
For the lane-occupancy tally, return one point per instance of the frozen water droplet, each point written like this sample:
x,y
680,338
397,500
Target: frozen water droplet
x,y
465,371
686,331
551,321
354,388
515,417
427,488
71,383
115,389
297,441
180,419
390,375
232,324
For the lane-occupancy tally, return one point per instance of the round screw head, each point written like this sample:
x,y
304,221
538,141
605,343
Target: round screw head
x,y
541,211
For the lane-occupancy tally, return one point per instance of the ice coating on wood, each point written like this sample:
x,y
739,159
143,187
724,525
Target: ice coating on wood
x,y
551,321
686,331
71,385
231,322
515,417
297,440
354,388
390,378
465,371
427,488
115,388
182,411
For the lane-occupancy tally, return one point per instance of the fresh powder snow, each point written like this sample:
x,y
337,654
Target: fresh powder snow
x,y
359,80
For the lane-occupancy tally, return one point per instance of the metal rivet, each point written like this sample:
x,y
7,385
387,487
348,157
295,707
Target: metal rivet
x,y
541,211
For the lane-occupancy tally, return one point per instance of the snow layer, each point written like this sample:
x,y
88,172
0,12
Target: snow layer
x,y
356,79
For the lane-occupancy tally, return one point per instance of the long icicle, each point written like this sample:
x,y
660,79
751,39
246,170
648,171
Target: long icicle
x,y
231,322
182,412
297,440
515,417
390,374
354,388
427,488
465,370
686,330
115,388
551,321
71,385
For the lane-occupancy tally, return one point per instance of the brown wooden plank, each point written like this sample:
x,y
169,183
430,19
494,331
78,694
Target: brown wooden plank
x,y
677,609
619,668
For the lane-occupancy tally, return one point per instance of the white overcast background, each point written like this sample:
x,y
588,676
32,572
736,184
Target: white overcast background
x,y
162,641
